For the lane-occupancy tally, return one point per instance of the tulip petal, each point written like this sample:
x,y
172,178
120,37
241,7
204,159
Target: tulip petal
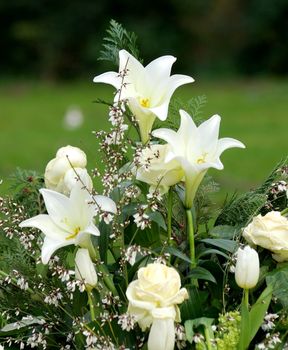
x,y
44,223
50,246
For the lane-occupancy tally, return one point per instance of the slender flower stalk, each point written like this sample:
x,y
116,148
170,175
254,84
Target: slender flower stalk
x,y
91,305
190,233
169,216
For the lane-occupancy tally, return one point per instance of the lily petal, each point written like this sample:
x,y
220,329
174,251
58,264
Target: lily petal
x,y
226,143
176,81
210,132
44,223
58,208
106,204
160,68
50,246
111,78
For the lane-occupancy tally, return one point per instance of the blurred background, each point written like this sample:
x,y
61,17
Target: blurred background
x,y
237,51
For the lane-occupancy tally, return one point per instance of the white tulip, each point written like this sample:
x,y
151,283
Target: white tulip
x,y
247,268
196,149
154,171
147,89
84,269
69,219
162,335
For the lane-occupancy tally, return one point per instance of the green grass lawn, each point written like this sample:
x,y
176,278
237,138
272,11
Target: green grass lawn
x,y
255,112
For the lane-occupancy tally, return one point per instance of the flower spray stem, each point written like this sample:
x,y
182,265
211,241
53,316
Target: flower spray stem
x,y
190,233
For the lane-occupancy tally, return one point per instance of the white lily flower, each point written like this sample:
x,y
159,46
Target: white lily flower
x,y
197,149
69,219
154,171
147,89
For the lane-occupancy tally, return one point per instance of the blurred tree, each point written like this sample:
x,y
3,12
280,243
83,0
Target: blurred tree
x,y
62,39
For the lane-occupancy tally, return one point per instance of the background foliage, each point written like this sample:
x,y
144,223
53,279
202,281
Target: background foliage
x,y
55,39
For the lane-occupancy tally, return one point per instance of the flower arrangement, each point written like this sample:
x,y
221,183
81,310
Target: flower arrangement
x,y
148,263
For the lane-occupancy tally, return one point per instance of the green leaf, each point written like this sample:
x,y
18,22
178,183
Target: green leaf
x,y
104,240
192,307
191,324
259,310
210,252
244,327
224,231
201,274
176,252
279,280
23,323
225,244
158,218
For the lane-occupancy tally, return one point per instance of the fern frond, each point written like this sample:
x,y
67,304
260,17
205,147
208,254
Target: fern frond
x,y
118,38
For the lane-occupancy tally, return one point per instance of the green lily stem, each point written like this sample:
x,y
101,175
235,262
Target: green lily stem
x,y
207,338
190,232
169,216
246,298
94,254
285,211
91,305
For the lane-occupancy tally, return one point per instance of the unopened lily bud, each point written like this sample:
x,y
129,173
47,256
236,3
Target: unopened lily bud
x,y
84,269
247,268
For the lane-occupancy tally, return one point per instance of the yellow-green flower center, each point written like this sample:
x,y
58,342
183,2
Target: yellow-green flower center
x,y
202,159
75,233
145,102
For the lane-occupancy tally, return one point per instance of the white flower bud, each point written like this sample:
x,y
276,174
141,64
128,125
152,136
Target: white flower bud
x,y
60,171
84,269
247,268
162,335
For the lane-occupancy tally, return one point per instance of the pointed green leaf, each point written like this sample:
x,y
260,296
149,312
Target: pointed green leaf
x,y
258,311
225,244
200,273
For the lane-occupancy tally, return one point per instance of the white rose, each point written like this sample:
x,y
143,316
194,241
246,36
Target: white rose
x,y
56,170
155,294
247,268
270,232
155,171
84,268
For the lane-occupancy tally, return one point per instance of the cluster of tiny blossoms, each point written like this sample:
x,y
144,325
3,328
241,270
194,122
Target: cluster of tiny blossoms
x,y
12,215
114,144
